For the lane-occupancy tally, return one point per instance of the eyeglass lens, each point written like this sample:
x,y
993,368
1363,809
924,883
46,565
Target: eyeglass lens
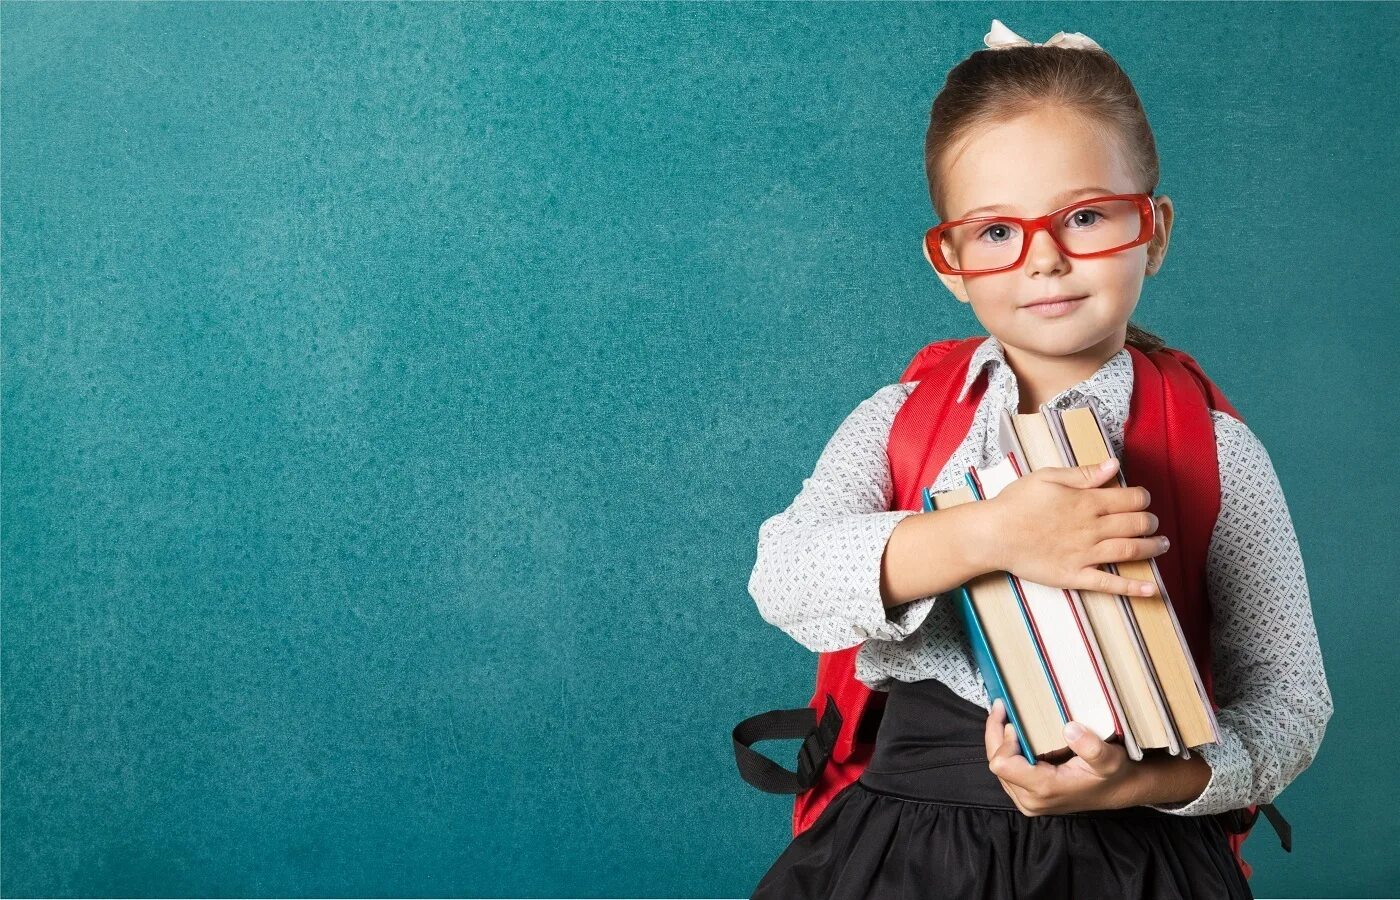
x,y
1088,228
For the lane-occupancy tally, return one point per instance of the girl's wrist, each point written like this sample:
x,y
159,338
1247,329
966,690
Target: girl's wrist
x,y
1168,780
988,545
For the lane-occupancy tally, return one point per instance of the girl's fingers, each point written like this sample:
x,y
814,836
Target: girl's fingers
x,y
1122,549
1139,523
1105,582
992,733
1124,499
1007,763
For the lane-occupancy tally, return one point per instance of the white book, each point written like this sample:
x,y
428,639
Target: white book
x,y
1065,641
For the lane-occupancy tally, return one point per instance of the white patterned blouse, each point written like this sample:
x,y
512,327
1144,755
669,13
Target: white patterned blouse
x,y
817,578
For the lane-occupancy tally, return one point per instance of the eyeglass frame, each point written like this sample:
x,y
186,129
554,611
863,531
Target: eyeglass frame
x,y
1147,210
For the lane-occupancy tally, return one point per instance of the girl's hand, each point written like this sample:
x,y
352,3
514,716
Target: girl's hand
x,y
1056,526
1100,776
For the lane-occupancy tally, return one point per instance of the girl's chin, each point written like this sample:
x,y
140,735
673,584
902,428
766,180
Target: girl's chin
x,y
1055,342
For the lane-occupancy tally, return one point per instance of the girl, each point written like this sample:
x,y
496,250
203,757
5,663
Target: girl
x,y
947,806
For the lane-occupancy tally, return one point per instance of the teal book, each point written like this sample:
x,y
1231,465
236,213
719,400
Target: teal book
x,y
981,651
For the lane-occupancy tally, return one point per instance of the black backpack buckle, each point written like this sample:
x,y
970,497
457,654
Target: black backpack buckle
x,y
818,739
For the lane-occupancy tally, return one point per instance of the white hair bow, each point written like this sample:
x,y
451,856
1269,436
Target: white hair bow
x,y
1001,37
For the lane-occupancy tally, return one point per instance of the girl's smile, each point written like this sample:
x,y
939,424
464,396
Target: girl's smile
x,y
1054,309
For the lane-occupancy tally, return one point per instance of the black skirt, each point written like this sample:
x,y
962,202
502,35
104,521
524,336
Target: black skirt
x,y
928,819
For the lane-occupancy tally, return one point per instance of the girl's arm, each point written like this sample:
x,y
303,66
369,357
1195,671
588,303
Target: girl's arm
x,y
1269,680
822,575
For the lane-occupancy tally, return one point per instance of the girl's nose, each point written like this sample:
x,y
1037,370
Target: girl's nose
x,y
1044,255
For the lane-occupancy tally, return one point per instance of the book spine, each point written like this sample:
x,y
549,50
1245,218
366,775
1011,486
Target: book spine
x,y
982,654
1028,620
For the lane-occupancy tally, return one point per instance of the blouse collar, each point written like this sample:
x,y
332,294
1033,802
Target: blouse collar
x,y
1111,385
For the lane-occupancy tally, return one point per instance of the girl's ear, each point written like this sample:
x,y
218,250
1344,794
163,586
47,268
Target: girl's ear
x,y
1157,247
953,283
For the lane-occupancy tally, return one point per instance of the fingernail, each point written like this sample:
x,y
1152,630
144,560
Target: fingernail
x,y
1164,541
1074,731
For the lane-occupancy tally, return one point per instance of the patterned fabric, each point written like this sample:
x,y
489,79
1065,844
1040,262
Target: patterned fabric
x,y
817,578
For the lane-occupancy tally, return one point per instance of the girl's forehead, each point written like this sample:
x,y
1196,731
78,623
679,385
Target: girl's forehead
x,y
1027,164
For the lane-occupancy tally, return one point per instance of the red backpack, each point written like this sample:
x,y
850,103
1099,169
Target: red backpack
x,y
1168,448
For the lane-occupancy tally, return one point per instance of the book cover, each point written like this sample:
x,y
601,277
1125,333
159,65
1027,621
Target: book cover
x,y
982,653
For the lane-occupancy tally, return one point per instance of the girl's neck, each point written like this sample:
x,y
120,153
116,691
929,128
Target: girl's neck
x,y
1040,378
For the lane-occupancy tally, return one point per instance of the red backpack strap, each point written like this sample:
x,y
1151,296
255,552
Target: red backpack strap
x,y
1215,398
939,368
1169,449
1193,478
932,423
924,360
1240,821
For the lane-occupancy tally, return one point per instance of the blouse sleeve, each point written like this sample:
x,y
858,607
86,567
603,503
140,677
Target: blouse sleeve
x,y
1267,665
817,574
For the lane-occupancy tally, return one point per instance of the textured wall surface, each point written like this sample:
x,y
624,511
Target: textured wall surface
x,y
392,394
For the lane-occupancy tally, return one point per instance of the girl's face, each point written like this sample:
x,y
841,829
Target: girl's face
x,y
1028,167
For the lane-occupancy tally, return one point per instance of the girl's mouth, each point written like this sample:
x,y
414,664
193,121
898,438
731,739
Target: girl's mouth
x,y
1058,308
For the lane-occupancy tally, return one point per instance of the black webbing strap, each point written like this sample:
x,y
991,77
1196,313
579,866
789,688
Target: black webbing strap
x,y
818,739
1238,821
1281,826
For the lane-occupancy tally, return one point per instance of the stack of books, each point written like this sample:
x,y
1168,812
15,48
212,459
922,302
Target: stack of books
x,y
1120,666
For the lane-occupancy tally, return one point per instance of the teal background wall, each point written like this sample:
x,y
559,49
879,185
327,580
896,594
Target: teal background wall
x,y
392,394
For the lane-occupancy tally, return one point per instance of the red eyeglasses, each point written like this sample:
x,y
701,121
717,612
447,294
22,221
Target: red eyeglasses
x,y
1084,229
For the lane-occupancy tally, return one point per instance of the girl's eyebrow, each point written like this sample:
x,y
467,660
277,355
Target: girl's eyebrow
x,y
1062,198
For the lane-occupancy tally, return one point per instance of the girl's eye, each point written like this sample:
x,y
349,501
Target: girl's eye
x,y
998,232
1079,215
